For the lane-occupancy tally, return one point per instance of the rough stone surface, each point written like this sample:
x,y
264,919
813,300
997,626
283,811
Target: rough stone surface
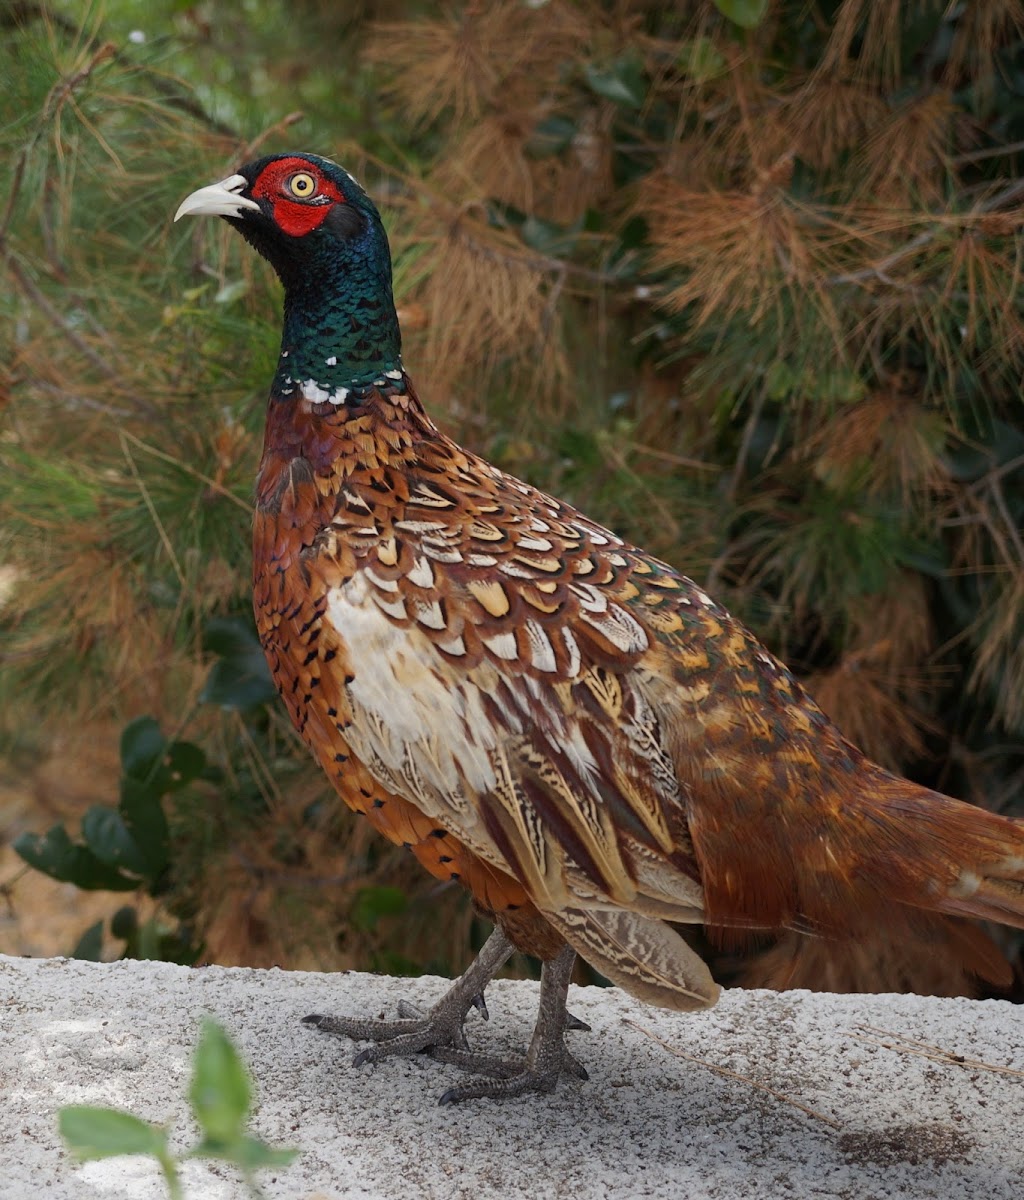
x,y
884,1122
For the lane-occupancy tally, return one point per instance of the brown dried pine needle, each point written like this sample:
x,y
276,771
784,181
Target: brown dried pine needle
x,y
890,441
999,662
830,117
727,1074
980,31
906,162
903,1044
490,302
466,62
740,251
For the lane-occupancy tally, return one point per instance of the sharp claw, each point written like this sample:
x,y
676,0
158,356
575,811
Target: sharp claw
x,y
574,1023
480,1004
313,1019
364,1056
576,1069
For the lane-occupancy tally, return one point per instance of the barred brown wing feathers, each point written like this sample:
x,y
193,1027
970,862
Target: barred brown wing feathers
x,y
502,621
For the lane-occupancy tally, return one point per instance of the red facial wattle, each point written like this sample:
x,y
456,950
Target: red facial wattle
x,y
299,219
296,217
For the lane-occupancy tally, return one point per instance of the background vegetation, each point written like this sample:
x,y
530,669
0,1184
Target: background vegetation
x,y
741,279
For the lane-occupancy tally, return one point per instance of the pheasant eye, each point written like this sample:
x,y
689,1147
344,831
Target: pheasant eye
x,y
302,186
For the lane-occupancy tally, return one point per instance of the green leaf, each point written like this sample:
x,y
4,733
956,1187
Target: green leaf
x,y
125,922
551,136
220,1092
621,81
56,855
701,59
371,903
107,836
185,762
246,1152
548,238
146,823
142,748
89,946
241,679
746,13
105,1132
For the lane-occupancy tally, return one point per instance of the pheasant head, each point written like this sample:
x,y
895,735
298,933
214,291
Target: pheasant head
x,y
323,236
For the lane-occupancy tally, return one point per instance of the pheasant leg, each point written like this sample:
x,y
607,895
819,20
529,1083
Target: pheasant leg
x,y
442,1026
547,1058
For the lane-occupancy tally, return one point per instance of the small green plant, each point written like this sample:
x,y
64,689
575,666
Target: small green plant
x,y
220,1095
127,847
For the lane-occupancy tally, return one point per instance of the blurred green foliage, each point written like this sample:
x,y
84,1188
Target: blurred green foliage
x,y
220,1097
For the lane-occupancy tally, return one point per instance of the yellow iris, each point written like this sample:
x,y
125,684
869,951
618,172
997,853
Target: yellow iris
x,y
302,185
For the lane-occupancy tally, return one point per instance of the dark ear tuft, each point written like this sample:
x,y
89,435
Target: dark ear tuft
x,y
345,221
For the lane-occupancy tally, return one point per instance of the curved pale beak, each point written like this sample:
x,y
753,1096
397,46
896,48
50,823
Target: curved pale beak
x,y
217,200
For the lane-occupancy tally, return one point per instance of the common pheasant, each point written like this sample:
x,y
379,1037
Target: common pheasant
x,y
576,733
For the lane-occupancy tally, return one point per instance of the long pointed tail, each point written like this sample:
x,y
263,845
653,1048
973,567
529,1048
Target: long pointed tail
x,y
854,850
941,854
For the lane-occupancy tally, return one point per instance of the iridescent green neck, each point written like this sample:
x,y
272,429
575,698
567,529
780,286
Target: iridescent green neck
x,y
341,335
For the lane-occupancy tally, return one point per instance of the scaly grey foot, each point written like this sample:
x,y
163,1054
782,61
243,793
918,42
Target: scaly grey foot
x,y
547,1058
415,1031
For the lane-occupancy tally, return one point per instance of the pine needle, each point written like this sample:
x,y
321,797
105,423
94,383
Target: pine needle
x,y
725,1073
903,1044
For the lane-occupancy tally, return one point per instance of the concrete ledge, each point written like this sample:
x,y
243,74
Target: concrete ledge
x,y
647,1124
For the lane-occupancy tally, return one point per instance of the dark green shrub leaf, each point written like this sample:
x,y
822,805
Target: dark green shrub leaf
x,y
241,678
146,822
621,81
548,238
551,136
56,855
105,1132
230,636
108,838
239,684
746,13
124,922
90,945
185,762
142,747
